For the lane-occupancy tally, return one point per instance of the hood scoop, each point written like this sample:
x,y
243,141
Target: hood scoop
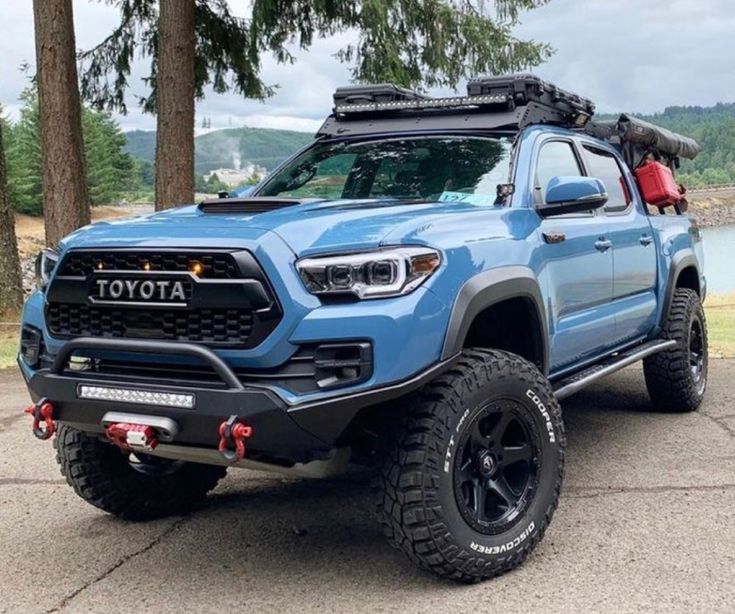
x,y
254,205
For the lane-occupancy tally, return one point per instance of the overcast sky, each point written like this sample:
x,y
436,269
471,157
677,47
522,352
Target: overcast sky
x,y
634,55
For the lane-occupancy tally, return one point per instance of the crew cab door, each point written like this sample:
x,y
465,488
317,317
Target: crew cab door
x,y
633,246
575,266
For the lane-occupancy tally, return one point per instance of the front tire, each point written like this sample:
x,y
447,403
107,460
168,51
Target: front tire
x,y
150,488
475,469
677,379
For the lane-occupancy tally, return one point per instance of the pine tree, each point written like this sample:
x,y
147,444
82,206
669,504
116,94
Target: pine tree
x,y
110,171
195,43
176,88
65,197
24,164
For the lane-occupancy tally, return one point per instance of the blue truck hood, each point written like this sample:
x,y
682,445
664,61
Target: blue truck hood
x,y
311,227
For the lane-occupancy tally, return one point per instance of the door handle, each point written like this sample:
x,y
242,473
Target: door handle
x,y
603,244
646,239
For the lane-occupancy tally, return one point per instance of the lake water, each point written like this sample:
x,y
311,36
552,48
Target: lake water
x,y
719,258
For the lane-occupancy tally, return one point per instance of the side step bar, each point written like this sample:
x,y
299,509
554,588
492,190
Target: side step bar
x,y
574,383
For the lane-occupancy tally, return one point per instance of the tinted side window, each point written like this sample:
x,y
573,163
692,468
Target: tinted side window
x,y
556,159
604,166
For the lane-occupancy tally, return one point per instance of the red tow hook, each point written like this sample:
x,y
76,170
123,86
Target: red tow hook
x,y
232,433
42,411
129,437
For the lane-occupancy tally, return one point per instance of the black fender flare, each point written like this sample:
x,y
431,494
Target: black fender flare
x,y
489,288
681,260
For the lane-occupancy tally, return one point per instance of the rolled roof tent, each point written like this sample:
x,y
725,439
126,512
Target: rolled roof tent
x,y
638,139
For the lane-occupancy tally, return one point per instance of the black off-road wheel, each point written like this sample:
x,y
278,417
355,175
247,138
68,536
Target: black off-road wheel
x,y
677,378
475,468
133,487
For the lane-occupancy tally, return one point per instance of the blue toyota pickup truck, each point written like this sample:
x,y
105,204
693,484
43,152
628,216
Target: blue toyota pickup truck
x,y
416,290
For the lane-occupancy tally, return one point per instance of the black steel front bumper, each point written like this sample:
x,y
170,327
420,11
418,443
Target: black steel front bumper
x,y
297,433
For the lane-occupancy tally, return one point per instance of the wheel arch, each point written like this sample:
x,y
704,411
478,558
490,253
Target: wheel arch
x,y
489,291
683,273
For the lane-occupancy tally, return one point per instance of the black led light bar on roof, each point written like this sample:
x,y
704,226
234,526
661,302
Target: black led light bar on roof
x,y
454,102
512,101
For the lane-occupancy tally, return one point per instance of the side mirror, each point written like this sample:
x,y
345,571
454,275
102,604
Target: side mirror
x,y
573,195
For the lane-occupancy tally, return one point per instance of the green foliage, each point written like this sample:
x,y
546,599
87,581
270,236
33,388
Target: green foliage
x,y
714,130
141,144
145,171
109,169
407,42
23,155
213,185
247,183
262,146
111,172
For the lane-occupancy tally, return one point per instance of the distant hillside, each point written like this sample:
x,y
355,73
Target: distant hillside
x,y
141,144
222,148
714,129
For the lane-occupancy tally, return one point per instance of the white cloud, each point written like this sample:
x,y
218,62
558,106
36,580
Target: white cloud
x,y
639,56
626,55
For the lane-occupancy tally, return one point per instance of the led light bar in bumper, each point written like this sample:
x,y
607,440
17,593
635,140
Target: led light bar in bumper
x,y
138,397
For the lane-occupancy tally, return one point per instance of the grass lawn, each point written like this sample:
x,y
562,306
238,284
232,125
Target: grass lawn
x,y
8,349
720,310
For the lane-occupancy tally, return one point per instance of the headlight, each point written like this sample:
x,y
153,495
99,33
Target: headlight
x,y
45,264
377,274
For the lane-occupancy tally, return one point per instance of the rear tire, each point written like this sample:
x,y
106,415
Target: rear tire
x,y
677,379
104,476
475,468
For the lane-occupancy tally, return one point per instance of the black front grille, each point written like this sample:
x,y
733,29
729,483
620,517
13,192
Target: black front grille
x,y
217,326
214,266
216,310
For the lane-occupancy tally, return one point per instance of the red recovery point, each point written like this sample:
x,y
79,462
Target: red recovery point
x,y
129,437
233,433
43,411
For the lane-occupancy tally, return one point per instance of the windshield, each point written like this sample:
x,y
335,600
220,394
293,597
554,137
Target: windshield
x,y
440,168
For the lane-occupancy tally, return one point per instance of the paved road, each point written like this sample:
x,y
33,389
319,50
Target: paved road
x,y
646,523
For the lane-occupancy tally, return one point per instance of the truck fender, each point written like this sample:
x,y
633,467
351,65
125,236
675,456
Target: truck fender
x,y
681,260
489,288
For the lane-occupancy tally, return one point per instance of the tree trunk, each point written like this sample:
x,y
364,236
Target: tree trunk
x,y
11,293
175,100
65,197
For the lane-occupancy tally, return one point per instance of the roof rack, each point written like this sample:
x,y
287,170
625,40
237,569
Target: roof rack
x,y
511,101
